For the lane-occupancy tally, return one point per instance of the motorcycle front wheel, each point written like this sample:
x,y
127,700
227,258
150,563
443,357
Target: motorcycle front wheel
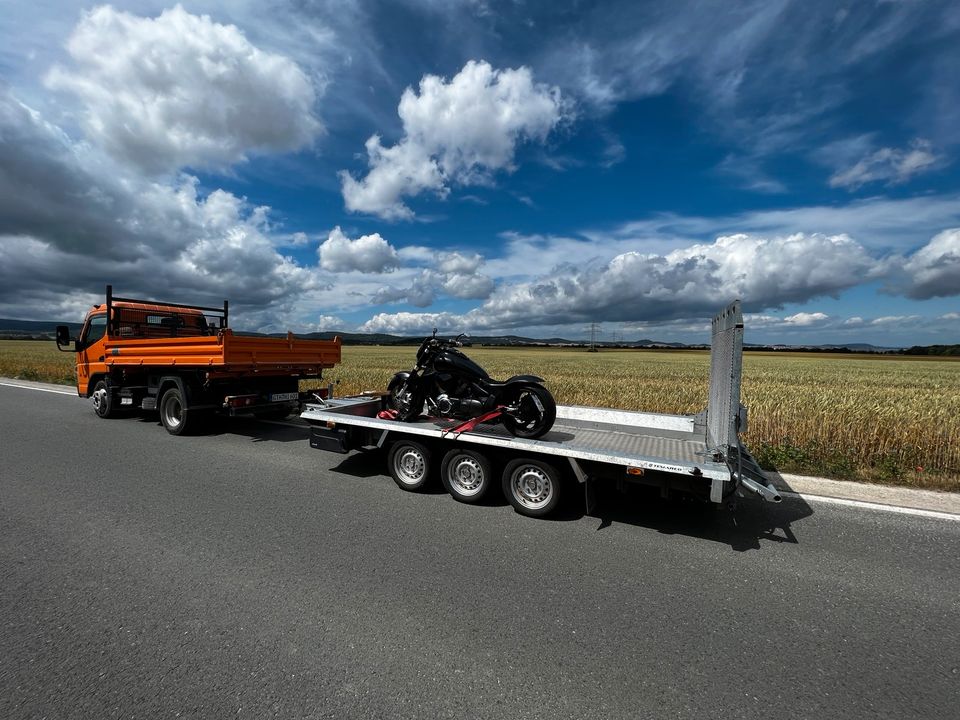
x,y
534,411
407,401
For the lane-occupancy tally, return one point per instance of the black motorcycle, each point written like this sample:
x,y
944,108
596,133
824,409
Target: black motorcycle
x,y
454,386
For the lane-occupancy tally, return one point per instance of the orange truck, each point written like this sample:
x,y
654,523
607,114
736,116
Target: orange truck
x,y
184,361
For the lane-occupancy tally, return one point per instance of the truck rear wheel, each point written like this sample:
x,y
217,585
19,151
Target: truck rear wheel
x,y
102,402
466,475
531,486
174,414
409,464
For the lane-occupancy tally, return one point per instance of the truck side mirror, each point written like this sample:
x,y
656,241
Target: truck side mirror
x,y
64,339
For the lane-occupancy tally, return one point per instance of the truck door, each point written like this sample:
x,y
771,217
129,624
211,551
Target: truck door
x,y
90,350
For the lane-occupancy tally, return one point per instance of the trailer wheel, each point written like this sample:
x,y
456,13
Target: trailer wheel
x,y
466,475
174,415
102,402
531,486
409,464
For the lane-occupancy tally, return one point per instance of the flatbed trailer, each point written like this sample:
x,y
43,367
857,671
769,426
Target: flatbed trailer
x,y
699,455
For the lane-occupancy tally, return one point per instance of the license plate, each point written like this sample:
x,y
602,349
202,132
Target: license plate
x,y
281,397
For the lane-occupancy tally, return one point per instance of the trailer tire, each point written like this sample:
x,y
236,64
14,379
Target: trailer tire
x,y
531,486
409,464
102,401
174,414
466,475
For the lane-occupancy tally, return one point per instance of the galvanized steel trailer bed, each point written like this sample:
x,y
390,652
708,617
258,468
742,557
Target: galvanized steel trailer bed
x,y
698,453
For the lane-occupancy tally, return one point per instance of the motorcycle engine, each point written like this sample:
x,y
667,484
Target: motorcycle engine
x,y
445,404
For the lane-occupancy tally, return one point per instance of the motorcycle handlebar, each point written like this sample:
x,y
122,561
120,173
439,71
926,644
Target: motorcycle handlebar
x,y
436,342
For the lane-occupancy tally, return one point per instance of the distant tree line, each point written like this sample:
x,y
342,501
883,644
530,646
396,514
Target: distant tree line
x,y
932,350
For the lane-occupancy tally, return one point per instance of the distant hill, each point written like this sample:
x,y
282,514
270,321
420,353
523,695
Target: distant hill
x,y
43,330
489,340
937,350
847,348
33,329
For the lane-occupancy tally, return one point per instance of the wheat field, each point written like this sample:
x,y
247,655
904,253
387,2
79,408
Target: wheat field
x,y
857,417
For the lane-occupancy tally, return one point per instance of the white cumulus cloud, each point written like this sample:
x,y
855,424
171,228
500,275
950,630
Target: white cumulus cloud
x,y
366,254
458,263
459,131
805,318
689,282
934,269
764,272
65,208
407,322
454,275
181,90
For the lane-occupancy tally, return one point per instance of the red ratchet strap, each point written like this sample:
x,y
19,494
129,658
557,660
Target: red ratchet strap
x,y
471,424
387,414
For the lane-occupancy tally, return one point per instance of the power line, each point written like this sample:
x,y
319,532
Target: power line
x,y
594,332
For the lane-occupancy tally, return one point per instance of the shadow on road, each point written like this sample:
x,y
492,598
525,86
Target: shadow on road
x,y
746,527
743,527
366,464
245,426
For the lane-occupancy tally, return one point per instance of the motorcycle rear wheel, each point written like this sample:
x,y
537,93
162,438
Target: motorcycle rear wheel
x,y
536,411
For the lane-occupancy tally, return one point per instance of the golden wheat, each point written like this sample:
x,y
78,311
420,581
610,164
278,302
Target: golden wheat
x,y
886,419
878,418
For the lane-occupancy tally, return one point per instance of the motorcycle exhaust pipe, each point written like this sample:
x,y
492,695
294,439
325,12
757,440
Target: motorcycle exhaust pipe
x,y
767,492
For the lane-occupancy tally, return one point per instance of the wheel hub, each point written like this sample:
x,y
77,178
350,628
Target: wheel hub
x,y
468,474
411,465
173,413
532,486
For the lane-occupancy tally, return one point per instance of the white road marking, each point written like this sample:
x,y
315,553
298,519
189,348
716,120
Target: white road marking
x,y
874,506
40,389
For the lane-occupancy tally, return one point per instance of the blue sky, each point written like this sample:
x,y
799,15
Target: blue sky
x,y
516,167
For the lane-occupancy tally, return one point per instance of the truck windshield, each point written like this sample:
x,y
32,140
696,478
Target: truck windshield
x,y
94,330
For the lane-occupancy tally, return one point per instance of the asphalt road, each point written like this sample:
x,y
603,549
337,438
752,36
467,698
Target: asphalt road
x,y
242,574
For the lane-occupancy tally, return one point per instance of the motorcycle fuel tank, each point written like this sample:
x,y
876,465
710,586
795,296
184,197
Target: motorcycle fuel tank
x,y
452,361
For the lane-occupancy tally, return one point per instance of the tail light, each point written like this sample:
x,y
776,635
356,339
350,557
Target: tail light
x,y
239,401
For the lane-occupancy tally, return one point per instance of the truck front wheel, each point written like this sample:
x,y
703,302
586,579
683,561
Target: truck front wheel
x,y
173,412
102,402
